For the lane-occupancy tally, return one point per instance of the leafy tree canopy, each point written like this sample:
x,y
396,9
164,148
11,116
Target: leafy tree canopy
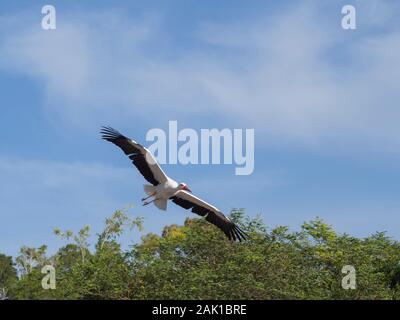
x,y
196,261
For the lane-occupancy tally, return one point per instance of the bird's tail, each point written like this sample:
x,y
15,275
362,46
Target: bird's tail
x,y
149,189
161,204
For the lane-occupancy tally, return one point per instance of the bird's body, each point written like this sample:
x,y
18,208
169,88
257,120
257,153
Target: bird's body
x,y
167,189
162,192
163,188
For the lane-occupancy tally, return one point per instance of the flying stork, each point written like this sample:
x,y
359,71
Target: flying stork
x,y
163,188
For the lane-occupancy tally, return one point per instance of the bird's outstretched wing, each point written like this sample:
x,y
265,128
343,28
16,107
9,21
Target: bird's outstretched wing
x,y
140,156
211,214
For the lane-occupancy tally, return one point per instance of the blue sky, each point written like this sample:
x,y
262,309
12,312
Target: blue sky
x,y
323,102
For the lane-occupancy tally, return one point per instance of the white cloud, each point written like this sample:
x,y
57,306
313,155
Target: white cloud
x,y
92,185
37,195
281,75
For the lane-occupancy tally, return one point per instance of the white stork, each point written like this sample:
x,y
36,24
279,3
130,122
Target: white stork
x,y
164,188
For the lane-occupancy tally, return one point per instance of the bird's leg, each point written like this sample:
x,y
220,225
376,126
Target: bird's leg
x,y
148,202
152,195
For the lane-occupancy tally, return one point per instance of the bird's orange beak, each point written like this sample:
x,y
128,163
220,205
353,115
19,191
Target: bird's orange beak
x,y
187,189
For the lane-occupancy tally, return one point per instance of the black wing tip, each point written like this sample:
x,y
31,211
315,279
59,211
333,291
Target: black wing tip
x,y
236,233
232,231
109,133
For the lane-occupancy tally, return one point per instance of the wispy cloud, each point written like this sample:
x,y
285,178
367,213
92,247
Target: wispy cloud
x,y
38,195
290,76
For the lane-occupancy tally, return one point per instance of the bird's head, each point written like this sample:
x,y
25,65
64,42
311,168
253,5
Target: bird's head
x,y
183,186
